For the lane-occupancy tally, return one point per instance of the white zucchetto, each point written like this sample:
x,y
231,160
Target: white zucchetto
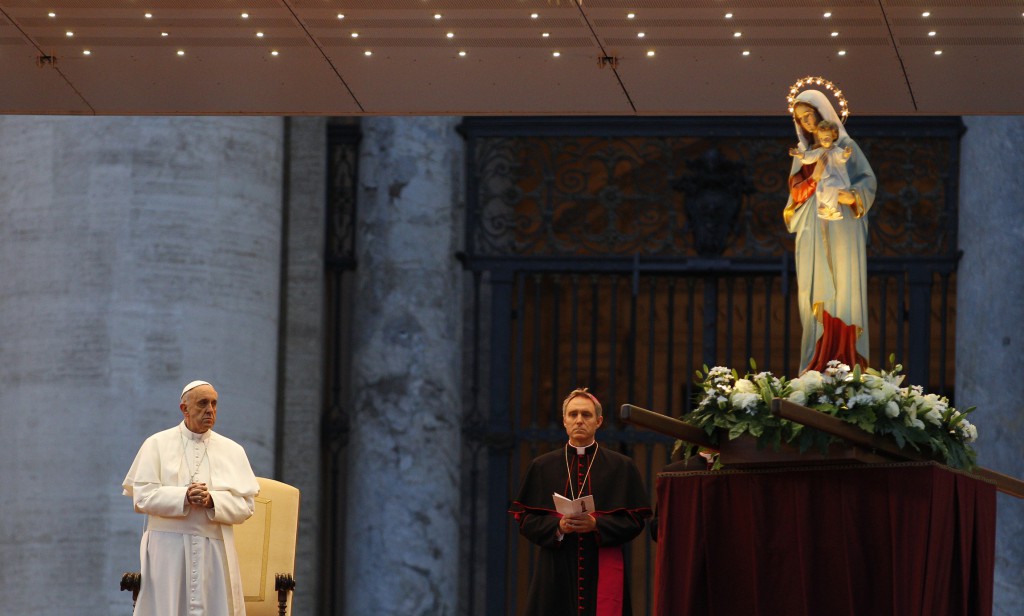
x,y
193,385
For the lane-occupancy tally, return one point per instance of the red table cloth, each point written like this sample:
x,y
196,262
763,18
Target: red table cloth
x,y
896,539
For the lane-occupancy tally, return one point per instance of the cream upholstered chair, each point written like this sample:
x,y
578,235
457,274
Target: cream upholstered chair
x,y
266,549
265,544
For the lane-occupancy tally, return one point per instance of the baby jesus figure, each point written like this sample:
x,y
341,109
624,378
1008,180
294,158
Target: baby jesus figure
x,y
833,168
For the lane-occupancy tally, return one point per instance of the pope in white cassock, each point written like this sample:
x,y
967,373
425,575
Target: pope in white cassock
x,y
193,485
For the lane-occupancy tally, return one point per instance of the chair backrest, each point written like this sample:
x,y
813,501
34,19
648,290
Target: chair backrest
x,y
266,545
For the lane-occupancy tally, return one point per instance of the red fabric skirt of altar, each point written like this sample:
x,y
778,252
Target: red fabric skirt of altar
x,y
911,539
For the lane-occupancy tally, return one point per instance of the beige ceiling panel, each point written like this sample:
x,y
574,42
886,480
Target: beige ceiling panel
x,y
29,82
211,80
888,64
963,56
487,80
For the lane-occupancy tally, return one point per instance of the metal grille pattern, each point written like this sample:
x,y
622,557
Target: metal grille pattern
x,y
621,194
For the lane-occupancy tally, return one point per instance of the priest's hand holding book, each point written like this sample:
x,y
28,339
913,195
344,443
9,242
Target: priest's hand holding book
x,y
577,523
576,516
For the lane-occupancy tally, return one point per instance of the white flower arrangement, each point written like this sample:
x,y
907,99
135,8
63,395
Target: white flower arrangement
x,y
872,400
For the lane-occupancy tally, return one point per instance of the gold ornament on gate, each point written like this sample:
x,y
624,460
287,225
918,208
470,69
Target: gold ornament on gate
x,y
809,82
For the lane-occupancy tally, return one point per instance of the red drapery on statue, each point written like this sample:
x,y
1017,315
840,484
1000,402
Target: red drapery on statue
x,y
910,539
838,341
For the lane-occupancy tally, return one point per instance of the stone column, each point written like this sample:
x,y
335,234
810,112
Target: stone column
x,y
402,534
302,344
136,254
990,310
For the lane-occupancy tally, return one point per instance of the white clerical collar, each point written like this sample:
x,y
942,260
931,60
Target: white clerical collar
x,y
195,436
582,451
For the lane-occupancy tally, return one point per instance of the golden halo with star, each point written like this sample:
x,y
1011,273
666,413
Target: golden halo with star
x,y
811,81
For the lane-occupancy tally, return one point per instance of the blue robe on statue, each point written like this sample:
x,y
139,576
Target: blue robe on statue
x,y
831,256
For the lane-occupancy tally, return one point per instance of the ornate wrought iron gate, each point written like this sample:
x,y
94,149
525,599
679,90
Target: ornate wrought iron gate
x,y
622,254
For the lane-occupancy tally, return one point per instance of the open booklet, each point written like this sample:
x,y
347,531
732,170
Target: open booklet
x,y
564,506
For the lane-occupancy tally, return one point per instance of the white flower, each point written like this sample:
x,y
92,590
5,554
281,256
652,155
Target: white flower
x,y
969,431
888,390
808,382
744,386
797,397
767,378
861,399
914,422
893,378
934,417
892,409
719,376
837,372
879,389
741,401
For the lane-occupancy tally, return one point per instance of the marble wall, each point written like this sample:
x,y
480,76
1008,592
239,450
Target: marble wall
x,y
990,310
136,254
404,449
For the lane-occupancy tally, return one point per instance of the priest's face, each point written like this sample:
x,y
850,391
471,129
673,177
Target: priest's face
x,y
581,421
200,408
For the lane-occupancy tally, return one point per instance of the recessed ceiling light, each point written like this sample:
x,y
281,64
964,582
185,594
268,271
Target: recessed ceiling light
x,y
737,34
640,35
556,53
367,53
245,16
181,52
545,34
938,52
650,53
932,33
728,15
450,35
746,52
534,15
163,34
149,16
926,14
842,52
69,33
437,16
827,15
462,54
630,15
86,52
273,53
52,14
835,34
355,35
341,16
259,35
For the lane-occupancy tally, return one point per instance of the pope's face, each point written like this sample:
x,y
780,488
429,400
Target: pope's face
x,y
581,421
807,117
200,408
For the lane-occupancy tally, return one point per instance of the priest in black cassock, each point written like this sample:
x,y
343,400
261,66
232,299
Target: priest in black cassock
x,y
580,568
